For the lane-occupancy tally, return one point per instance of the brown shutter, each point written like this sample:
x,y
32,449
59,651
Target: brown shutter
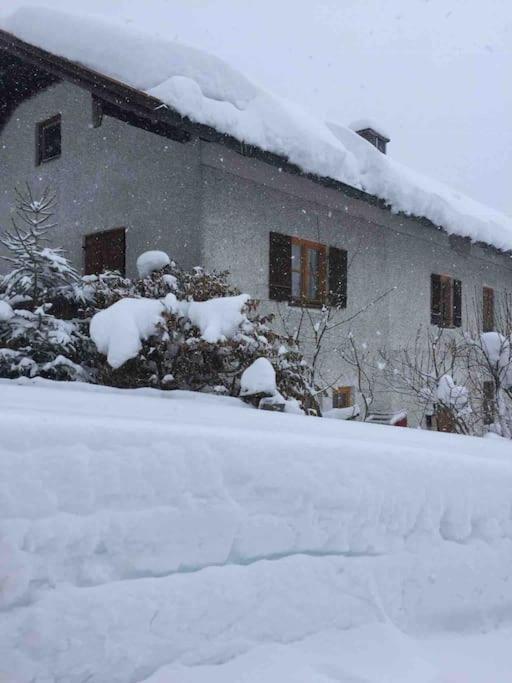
x,y
280,267
435,299
457,303
105,251
337,277
488,309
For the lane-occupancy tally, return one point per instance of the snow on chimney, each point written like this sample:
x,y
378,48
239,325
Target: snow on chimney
x,y
370,131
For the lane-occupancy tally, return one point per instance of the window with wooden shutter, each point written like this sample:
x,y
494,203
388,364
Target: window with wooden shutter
x,y
309,271
457,303
48,140
280,260
337,277
105,251
435,299
488,309
306,273
445,301
342,397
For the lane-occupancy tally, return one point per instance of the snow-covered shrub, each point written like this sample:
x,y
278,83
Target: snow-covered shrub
x,y
192,330
36,343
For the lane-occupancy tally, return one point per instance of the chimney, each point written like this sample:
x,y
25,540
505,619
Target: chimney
x,y
369,131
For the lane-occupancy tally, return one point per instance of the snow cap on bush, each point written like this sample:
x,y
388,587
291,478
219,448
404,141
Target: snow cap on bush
x,y
258,378
151,261
6,312
119,330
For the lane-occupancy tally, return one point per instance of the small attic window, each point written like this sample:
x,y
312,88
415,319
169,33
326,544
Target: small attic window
x,y
48,139
377,139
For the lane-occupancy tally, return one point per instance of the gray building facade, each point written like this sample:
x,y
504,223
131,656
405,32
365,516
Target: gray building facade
x,y
209,200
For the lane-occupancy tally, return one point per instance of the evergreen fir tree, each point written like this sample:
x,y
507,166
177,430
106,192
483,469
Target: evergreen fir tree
x,y
39,273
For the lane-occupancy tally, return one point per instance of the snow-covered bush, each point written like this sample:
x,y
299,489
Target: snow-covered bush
x,y
36,343
191,330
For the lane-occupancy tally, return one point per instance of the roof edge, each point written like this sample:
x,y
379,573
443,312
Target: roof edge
x,y
141,103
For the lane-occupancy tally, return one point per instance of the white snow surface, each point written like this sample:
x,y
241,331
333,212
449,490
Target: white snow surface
x,y
6,312
208,91
168,536
150,261
258,378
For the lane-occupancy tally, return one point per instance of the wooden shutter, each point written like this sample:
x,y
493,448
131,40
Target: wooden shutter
x,y
105,251
435,300
457,303
488,309
338,277
280,262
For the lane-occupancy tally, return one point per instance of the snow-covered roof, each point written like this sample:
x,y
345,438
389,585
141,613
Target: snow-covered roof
x,y
208,91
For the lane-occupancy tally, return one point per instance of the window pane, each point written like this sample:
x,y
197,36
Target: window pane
x,y
51,141
296,284
296,270
313,292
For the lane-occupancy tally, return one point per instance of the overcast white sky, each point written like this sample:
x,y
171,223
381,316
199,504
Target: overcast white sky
x,y
436,73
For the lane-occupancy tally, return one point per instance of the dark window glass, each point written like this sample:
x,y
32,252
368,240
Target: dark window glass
x,y
446,301
49,139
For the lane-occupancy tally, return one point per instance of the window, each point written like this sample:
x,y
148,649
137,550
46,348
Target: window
x,y
376,139
488,309
308,271
105,251
446,301
97,112
489,400
342,397
48,140
305,272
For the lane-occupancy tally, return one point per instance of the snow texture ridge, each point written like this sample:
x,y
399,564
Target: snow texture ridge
x,y
208,91
153,535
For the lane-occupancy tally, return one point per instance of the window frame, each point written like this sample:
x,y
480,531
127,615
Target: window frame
x,y
449,317
346,393
41,131
303,297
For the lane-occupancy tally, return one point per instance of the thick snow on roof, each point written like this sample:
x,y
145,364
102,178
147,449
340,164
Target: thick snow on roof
x,y
210,92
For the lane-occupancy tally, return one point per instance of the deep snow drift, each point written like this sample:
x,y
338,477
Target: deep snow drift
x,y
162,537
207,90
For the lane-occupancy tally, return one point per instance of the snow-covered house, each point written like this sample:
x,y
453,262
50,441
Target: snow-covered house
x,y
154,145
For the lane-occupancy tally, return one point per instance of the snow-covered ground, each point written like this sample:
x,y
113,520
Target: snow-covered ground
x,y
164,537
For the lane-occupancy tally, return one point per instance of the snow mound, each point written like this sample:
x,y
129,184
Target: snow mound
x,y
120,329
6,312
218,319
204,88
166,536
258,378
151,261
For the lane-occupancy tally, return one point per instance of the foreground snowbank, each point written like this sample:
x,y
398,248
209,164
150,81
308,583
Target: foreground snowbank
x,y
207,90
165,537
